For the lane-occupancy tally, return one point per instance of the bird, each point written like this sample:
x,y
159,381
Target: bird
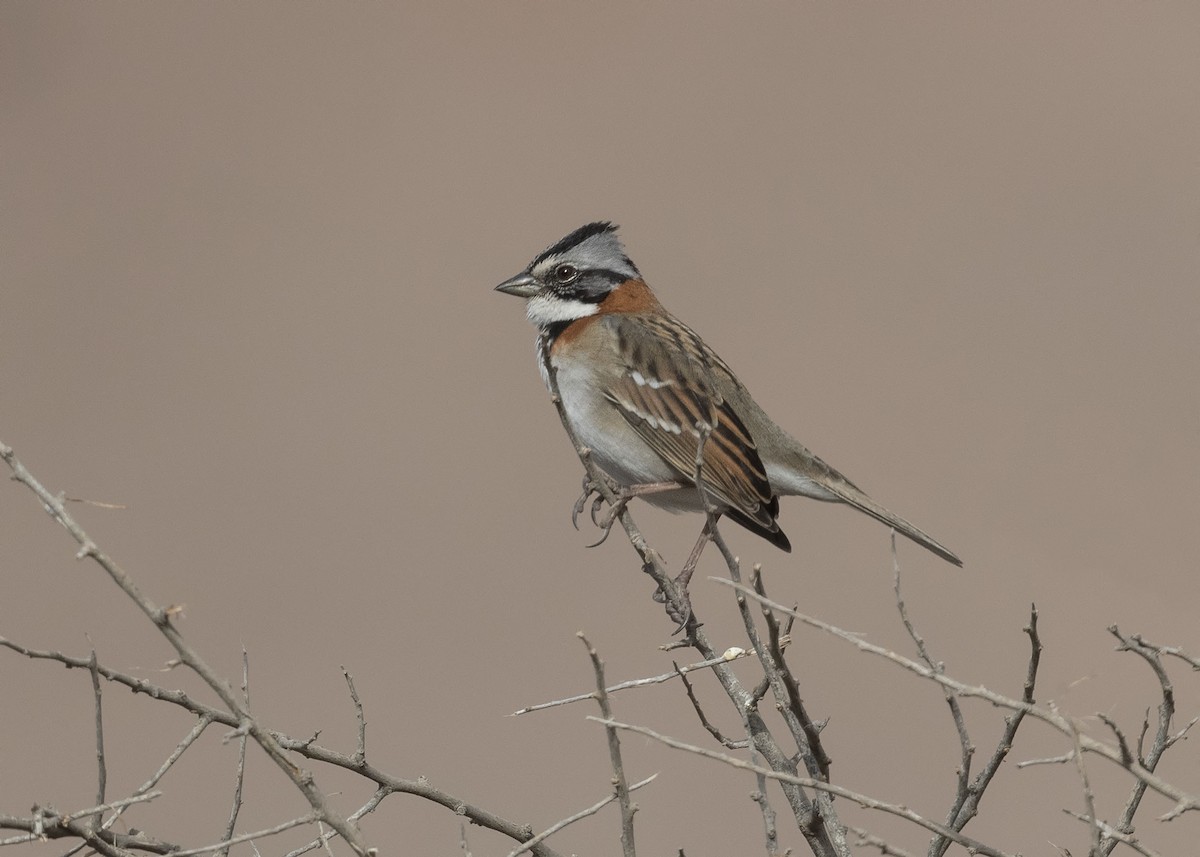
x,y
664,417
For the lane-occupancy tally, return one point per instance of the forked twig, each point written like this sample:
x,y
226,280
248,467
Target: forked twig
x,y
817,785
1185,801
571,819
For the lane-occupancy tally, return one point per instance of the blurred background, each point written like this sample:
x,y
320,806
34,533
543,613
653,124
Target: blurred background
x,y
248,259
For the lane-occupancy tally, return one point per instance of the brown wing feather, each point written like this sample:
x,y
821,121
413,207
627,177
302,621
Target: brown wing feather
x,y
667,390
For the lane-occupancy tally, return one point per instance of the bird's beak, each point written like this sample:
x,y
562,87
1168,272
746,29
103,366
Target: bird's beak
x,y
522,285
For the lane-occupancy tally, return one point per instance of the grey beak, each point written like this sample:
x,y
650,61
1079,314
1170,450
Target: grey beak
x,y
523,285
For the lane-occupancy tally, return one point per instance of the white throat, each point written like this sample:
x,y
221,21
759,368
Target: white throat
x,y
545,310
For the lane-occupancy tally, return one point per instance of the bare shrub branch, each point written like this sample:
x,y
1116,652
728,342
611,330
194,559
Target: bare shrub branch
x,y
628,808
1185,801
161,618
862,800
571,819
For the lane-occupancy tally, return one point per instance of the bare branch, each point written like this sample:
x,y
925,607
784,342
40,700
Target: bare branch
x,y
189,739
806,731
1169,651
462,840
240,774
161,618
100,504
867,839
365,809
1050,760
1117,836
704,721
360,754
969,795
820,821
760,797
1185,801
731,654
628,808
818,785
1163,739
571,819
224,844
101,767
962,793
306,747
1089,800
46,823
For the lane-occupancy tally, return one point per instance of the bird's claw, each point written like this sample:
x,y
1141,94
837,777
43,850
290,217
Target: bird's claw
x,y
588,489
680,614
610,517
597,505
605,522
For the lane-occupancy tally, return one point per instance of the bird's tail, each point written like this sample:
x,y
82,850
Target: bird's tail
x,y
849,494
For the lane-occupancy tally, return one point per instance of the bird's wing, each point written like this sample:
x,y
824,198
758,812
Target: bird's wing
x,y
667,390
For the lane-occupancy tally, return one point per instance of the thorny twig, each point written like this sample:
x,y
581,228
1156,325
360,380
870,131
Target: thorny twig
x,y
235,715
817,785
1163,739
307,747
47,823
968,793
161,618
1184,800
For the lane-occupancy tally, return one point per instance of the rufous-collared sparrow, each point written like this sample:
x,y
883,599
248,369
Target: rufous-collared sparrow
x,y
640,389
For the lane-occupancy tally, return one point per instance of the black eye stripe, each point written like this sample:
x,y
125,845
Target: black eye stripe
x,y
589,286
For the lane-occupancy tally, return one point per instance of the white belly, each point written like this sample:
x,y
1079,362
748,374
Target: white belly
x,y
616,447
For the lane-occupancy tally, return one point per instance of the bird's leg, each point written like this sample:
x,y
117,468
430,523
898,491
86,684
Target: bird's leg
x,y
623,495
682,580
689,567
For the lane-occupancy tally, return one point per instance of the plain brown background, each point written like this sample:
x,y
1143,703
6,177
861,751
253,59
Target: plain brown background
x,y
248,257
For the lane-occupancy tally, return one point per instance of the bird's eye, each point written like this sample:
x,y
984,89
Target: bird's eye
x,y
566,273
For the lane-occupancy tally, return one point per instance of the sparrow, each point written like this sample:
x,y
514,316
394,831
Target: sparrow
x,y
644,393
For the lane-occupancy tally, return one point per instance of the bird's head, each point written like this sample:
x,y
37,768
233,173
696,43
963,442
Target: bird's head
x,y
570,278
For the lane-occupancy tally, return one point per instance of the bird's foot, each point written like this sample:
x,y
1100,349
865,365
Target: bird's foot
x,y
623,494
679,609
590,488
